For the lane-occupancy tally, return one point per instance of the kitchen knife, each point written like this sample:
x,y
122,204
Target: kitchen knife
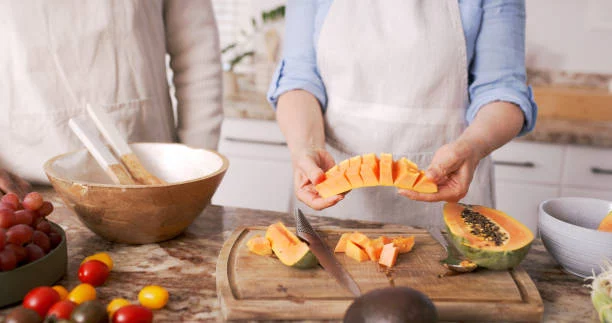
x,y
326,258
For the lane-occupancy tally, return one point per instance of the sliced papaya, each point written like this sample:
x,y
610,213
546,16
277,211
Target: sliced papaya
x,y
374,248
388,255
359,239
341,245
288,248
355,252
352,173
407,173
386,169
425,184
369,170
259,245
606,223
404,244
488,237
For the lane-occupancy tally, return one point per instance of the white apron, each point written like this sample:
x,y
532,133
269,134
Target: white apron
x,y
395,72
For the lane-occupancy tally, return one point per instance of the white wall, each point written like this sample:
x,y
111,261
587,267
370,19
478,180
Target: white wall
x,y
570,35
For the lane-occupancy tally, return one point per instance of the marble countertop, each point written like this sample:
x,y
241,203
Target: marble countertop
x,y
186,265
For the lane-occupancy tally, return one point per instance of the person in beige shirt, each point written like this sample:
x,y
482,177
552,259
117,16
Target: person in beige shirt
x,y
59,55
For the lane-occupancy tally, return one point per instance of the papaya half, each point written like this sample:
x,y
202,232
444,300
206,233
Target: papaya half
x,y
606,223
290,250
488,237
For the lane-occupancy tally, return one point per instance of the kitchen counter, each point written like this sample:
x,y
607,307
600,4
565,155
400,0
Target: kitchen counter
x,y
186,265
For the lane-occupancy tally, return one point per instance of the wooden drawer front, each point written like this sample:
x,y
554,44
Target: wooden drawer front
x,y
588,168
521,201
529,162
256,184
592,193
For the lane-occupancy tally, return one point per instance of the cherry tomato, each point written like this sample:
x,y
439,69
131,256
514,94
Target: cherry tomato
x,y
41,299
62,309
93,272
153,297
82,293
100,256
62,291
133,313
116,304
22,315
90,312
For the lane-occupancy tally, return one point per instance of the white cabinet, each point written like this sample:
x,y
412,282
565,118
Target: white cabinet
x,y
259,174
527,173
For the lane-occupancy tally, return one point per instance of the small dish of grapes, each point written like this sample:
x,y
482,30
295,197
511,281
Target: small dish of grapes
x,y
33,249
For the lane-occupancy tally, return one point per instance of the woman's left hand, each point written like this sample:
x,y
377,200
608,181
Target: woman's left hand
x,y
452,168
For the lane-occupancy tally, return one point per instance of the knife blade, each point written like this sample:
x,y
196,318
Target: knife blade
x,y
324,255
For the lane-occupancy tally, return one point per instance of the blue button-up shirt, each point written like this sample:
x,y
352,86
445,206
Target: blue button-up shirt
x,y
495,42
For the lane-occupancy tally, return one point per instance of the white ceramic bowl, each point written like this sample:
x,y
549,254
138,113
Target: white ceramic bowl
x,y
568,228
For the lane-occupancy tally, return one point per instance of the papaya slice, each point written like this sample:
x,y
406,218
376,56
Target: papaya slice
x,y
386,169
355,252
488,237
369,170
407,173
259,245
341,245
352,173
334,185
359,239
425,184
404,245
388,255
375,246
288,248
606,223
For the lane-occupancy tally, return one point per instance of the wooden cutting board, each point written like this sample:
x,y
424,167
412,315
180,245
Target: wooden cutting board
x,y
250,286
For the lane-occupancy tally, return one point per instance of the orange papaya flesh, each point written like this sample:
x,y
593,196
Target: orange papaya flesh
x,y
606,223
288,248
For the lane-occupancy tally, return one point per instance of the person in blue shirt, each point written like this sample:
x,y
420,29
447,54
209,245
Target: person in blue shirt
x,y
442,83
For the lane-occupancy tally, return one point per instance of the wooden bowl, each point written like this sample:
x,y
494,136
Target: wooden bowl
x,y
43,272
139,214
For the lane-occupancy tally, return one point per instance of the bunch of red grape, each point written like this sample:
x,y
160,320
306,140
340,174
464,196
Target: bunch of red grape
x,y
25,234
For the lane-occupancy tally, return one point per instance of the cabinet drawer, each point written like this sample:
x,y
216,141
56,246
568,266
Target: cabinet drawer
x,y
529,162
582,192
256,184
521,200
256,139
588,167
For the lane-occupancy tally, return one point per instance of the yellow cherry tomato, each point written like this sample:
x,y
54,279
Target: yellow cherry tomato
x,y
62,291
116,304
101,256
153,297
82,293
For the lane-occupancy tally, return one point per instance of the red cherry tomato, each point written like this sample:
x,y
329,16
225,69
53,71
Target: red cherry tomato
x,y
62,309
132,314
93,272
41,299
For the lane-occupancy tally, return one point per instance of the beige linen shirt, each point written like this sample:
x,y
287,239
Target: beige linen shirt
x,y
59,55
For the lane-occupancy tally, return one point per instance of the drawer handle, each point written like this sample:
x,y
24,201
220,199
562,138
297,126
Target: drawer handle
x,y
253,141
597,170
514,164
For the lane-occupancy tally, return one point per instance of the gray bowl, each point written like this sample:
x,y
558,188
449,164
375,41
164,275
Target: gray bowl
x,y
568,228
43,272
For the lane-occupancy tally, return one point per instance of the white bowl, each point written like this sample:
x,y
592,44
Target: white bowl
x,y
568,228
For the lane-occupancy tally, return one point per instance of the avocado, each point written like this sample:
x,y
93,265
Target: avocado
x,y
392,305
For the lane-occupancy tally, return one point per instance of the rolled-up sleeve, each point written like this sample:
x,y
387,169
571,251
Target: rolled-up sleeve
x,y
497,72
298,66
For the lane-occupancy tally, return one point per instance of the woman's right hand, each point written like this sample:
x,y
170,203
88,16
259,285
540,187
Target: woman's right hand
x,y
308,166
13,183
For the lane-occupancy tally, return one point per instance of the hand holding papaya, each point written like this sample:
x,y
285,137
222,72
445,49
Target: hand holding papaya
x,y
308,170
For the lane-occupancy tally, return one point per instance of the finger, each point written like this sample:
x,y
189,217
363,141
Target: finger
x,y
444,194
22,184
7,184
313,200
314,173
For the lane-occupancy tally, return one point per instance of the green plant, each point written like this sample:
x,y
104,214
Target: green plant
x,y
236,51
